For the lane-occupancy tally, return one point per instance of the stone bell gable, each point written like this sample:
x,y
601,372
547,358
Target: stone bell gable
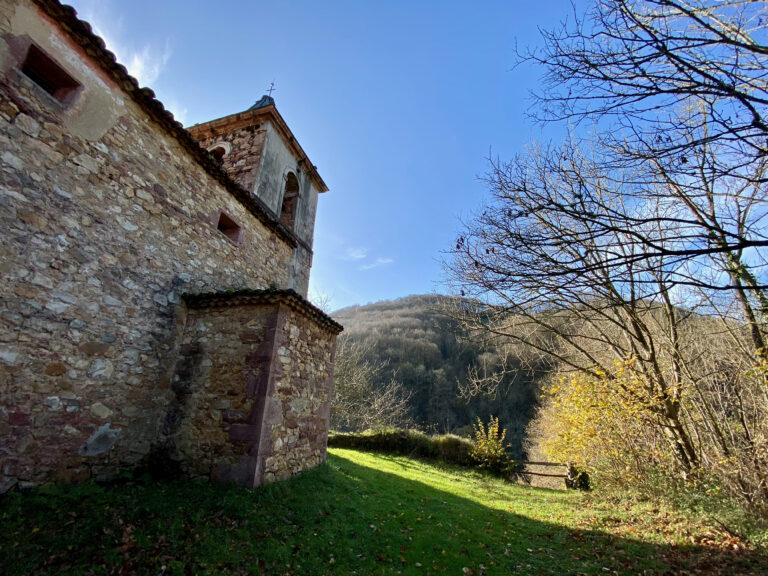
x,y
152,296
259,151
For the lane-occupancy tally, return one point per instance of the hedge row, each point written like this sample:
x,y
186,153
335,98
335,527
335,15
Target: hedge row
x,y
446,448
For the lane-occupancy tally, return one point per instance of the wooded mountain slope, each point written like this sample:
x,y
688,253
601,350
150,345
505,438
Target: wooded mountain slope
x,y
426,350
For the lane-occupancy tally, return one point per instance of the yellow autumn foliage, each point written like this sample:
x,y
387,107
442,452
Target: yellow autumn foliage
x,y
603,422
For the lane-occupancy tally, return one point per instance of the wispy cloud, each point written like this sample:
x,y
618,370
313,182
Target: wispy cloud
x,y
360,255
146,64
354,254
376,263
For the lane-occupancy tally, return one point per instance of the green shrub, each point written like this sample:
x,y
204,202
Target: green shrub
x,y
453,449
446,447
489,450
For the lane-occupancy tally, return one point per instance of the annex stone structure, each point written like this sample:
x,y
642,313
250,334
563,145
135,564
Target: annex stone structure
x,y
152,279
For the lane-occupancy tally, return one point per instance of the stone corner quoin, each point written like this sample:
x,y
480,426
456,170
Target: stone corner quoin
x,y
153,279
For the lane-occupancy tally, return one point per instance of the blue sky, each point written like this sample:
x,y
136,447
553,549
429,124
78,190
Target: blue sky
x,y
398,103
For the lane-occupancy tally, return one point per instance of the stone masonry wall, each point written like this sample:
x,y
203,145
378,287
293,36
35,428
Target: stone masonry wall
x,y
222,370
298,434
260,160
253,387
301,264
102,228
243,162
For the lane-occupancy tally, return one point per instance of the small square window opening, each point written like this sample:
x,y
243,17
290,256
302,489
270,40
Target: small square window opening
x,y
230,228
43,71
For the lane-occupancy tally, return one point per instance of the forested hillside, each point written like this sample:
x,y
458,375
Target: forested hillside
x,y
427,352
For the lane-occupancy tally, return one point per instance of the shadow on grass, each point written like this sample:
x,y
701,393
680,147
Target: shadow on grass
x,y
343,518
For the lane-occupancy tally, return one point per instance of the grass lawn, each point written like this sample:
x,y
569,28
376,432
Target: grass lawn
x,y
359,514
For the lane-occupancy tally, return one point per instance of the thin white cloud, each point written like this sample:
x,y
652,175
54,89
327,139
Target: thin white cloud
x,y
378,262
145,64
354,254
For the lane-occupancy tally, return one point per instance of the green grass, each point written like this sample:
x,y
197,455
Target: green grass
x,y
359,514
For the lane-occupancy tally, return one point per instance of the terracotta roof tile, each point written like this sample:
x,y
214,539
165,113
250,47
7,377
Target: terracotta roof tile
x,y
272,296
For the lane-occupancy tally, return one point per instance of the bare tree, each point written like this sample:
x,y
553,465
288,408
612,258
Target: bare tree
x,y
707,227
581,294
640,63
359,402
595,266
644,243
681,84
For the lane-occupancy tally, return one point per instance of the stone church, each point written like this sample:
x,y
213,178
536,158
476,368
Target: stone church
x,y
153,279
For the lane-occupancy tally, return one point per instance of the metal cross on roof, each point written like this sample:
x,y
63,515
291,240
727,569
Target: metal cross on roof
x,y
271,88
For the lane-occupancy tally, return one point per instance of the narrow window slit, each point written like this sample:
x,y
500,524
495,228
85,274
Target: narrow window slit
x,y
290,201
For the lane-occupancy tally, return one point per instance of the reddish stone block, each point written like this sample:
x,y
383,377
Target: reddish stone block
x,y
256,384
19,419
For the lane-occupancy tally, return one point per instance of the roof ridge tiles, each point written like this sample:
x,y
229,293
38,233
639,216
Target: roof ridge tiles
x,y
250,296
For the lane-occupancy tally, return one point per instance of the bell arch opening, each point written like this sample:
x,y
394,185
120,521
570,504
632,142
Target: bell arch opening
x,y
290,201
